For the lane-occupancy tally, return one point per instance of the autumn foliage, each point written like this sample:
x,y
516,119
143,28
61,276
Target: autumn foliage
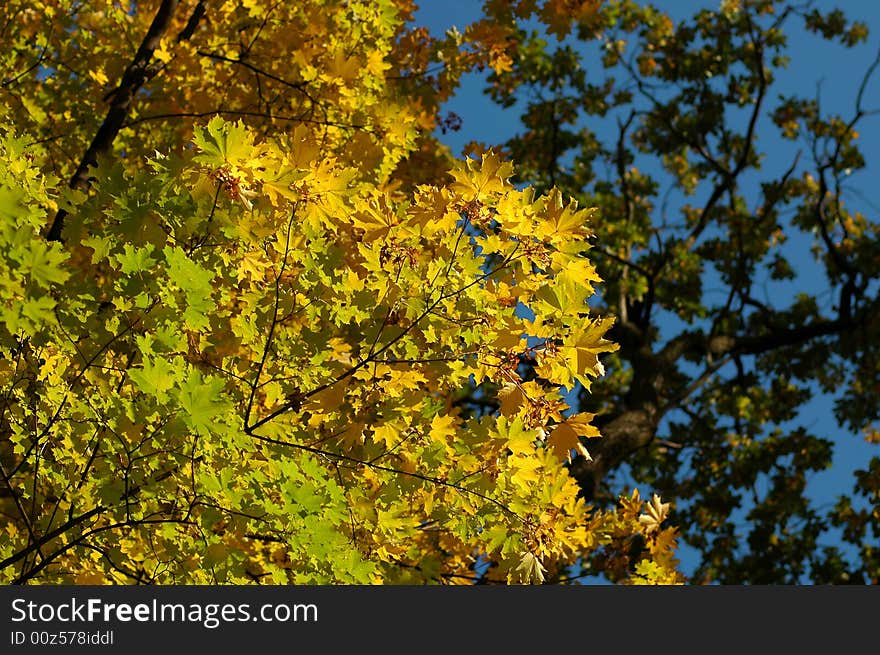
x,y
244,288
726,146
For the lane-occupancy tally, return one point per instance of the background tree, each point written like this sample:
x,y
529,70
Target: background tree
x,y
242,288
703,400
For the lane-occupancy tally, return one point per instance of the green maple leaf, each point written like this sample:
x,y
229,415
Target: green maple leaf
x,y
155,377
43,262
223,142
136,260
563,295
202,403
195,282
12,203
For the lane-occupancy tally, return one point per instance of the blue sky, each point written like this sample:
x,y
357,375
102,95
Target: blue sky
x,y
814,62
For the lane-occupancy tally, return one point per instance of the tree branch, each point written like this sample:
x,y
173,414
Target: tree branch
x,y
136,75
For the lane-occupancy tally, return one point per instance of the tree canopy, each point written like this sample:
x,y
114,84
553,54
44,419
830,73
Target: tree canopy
x,y
665,127
244,291
258,324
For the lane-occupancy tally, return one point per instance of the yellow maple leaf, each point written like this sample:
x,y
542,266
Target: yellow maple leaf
x,y
575,271
352,436
375,218
252,265
560,15
662,546
563,220
565,436
526,469
162,54
510,335
517,438
582,356
530,569
657,512
329,399
387,434
443,428
99,76
345,68
486,177
376,63
511,399
630,506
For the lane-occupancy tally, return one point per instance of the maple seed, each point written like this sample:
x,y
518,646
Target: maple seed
x,y
397,254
